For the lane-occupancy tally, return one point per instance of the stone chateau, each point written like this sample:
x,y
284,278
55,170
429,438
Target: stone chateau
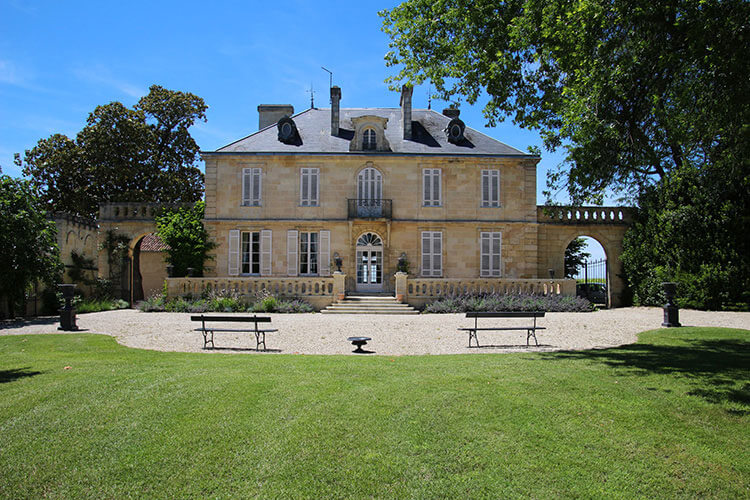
x,y
374,190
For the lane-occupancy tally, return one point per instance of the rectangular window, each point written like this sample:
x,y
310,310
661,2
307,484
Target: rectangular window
x,y
308,187
250,251
491,262
308,253
251,187
432,253
431,187
490,188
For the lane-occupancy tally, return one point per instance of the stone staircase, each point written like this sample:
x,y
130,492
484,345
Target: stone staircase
x,y
369,304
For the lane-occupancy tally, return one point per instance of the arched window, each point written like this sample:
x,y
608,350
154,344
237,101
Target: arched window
x,y
369,140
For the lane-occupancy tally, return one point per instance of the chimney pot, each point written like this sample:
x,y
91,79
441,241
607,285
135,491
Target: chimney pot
x,y
406,92
335,99
451,112
270,114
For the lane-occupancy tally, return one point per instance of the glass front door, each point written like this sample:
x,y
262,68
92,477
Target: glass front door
x,y
369,263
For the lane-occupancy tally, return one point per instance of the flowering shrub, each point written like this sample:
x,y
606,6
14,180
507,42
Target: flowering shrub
x,y
500,302
224,301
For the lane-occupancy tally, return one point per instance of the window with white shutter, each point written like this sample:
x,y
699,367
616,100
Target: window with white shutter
x,y
432,253
250,253
324,256
308,254
309,186
234,252
490,244
251,187
431,187
265,253
291,252
490,188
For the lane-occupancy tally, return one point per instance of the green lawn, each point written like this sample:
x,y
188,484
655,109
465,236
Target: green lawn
x,y
665,418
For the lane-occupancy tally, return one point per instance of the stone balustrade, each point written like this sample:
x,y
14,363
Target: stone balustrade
x,y
134,211
584,215
303,287
424,289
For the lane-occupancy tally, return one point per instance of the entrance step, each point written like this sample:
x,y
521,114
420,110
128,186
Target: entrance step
x,y
369,304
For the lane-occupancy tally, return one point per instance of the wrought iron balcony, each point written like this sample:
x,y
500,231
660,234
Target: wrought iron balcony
x,y
369,209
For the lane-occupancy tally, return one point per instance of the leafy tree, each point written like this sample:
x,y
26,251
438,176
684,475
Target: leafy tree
x,y
575,256
692,229
182,229
141,154
28,245
633,89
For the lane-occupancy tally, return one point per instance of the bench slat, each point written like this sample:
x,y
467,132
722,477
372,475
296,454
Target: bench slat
x,y
505,314
237,319
509,328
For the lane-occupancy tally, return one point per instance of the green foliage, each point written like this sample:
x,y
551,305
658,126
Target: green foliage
x,y
692,229
665,418
80,265
575,257
490,302
97,305
28,245
225,301
632,89
182,229
141,154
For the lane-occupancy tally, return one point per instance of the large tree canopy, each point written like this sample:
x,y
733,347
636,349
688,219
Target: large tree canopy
x,y
28,247
141,154
631,88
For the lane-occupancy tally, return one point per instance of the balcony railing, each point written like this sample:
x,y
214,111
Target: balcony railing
x,y
369,209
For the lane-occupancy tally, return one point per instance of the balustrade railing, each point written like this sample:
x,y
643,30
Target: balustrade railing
x,y
135,211
584,215
288,287
369,209
439,287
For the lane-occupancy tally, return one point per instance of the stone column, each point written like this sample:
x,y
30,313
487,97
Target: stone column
x,y
401,294
339,285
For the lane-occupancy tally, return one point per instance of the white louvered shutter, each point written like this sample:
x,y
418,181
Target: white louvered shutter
x,y
324,255
265,253
291,252
234,252
491,255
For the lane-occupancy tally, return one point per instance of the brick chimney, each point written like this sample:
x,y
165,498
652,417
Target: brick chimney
x,y
270,114
335,118
406,91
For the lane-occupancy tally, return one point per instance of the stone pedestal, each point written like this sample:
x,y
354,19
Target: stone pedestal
x,y
339,285
67,313
671,311
401,294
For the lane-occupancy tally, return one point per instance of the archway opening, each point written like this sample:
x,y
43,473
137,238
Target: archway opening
x,y
586,262
148,266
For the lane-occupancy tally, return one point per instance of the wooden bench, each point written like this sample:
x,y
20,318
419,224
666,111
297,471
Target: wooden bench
x,y
208,331
530,330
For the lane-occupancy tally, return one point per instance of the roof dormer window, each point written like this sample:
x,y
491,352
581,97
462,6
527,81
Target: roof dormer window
x,y
369,140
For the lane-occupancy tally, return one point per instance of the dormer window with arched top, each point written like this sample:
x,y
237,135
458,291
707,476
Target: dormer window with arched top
x,y
369,134
369,140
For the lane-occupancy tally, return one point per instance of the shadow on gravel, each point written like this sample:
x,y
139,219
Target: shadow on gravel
x,y
718,370
20,323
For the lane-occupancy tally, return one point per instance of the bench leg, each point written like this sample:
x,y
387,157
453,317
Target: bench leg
x,y
473,334
206,340
260,338
531,333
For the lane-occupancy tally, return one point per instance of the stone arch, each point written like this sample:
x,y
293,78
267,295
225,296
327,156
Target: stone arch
x,y
147,268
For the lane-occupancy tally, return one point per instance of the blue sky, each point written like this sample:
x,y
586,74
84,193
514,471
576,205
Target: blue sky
x,y
59,60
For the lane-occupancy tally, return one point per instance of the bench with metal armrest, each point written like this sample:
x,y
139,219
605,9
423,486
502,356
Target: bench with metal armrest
x,y
209,330
530,330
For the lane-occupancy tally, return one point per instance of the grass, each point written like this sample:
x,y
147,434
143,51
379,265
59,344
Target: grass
x,y
667,417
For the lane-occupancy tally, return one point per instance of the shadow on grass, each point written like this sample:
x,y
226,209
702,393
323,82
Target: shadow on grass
x,y
718,370
16,373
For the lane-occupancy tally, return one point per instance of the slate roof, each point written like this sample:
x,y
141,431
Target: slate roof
x,y
428,136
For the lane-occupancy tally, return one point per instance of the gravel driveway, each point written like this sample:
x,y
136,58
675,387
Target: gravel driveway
x,y
317,333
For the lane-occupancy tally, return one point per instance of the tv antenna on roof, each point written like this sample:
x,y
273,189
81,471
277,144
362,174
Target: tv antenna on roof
x,y
330,80
429,97
312,96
